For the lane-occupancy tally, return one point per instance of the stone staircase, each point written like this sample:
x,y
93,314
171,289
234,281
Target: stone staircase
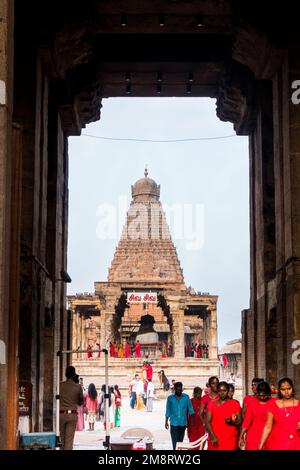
x,y
190,371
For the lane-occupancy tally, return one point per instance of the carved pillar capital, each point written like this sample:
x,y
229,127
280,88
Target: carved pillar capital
x,y
78,109
236,98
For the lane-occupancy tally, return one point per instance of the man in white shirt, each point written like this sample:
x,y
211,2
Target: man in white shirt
x,y
150,395
132,391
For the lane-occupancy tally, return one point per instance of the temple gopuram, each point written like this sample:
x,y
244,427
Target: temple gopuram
x,y
145,311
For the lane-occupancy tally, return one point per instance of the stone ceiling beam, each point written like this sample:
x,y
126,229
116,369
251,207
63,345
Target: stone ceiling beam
x,y
248,41
188,7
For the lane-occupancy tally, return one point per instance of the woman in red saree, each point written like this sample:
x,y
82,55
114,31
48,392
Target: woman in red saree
x,y
127,350
255,417
212,395
137,349
248,398
282,429
222,421
111,349
195,428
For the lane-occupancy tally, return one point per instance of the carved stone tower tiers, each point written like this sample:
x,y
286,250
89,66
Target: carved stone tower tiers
x,y
146,251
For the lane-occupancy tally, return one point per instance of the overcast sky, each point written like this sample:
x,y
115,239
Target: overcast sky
x,y
207,180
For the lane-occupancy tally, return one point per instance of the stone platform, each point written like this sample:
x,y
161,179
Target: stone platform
x,y
192,372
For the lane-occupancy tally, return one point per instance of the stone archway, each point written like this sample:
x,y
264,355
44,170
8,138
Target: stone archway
x,y
64,61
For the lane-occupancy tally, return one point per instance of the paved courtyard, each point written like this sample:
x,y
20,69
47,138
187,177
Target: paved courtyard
x,y
153,422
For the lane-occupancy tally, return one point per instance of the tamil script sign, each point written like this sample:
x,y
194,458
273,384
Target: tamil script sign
x,y
143,297
25,398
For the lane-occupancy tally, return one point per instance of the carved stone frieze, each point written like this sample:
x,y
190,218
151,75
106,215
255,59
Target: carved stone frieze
x,y
81,109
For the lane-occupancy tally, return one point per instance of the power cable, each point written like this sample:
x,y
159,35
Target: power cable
x,y
159,141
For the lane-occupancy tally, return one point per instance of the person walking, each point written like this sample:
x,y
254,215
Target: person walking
x,y
222,421
91,404
139,394
118,404
112,409
178,407
282,428
70,397
195,428
132,391
111,406
144,371
80,412
209,397
247,399
149,369
150,395
163,380
82,384
255,418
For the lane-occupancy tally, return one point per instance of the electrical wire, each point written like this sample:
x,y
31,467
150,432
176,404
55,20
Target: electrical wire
x,y
159,141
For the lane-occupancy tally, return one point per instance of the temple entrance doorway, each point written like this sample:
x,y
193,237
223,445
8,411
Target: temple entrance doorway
x,y
163,214
140,320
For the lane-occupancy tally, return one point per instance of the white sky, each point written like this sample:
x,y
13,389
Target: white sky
x,y
211,173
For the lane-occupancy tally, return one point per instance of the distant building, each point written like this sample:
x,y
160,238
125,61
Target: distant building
x,y
145,282
230,356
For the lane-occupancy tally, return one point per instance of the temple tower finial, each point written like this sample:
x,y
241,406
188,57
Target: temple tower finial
x,y
146,172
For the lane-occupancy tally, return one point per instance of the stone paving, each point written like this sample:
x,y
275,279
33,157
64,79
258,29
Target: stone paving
x,y
154,422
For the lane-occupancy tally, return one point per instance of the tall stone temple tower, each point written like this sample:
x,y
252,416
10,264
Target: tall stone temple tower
x,y
146,302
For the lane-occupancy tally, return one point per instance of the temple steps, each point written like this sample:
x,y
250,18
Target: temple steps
x,y
192,372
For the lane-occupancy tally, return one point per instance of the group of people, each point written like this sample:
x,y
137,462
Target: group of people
x,y
93,350
78,404
141,389
264,422
201,350
134,349
129,350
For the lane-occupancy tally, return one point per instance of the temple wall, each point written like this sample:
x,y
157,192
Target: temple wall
x,y
273,322
135,311
7,437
